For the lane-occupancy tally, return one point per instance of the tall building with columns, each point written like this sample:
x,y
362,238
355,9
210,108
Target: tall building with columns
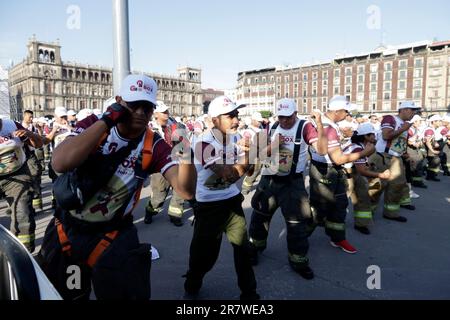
x,y
43,81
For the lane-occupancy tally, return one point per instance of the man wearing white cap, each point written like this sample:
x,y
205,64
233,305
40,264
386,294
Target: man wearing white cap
x,y
15,178
166,128
60,131
283,186
432,137
328,192
251,133
71,118
221,159
415,152
391,147
361,177
97,234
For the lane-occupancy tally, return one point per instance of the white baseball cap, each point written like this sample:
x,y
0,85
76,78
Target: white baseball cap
x,y
434,118
84,113
347,124
257,117
138,88
71,113
365,128
408,105
415,118
446,118
340,103
286,107
222,105
161,107
60,112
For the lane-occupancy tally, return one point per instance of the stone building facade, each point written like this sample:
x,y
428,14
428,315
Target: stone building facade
x,y
43,81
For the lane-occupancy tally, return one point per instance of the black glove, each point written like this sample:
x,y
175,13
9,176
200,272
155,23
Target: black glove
x,y
114,114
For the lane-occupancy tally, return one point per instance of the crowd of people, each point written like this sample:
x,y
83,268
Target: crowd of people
x,y
106,157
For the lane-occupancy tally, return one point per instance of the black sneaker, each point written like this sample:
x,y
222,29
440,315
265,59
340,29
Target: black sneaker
x,y
408,207
176,221
305,271
148,218
250,296
433,179
420,185
398,219
363,230
192,285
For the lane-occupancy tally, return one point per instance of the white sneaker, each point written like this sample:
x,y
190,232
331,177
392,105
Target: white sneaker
x,y
413,195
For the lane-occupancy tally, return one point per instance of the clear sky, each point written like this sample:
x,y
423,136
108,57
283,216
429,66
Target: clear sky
x,y
223,37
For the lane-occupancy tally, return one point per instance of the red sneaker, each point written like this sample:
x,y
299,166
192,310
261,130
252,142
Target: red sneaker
x,y
345,246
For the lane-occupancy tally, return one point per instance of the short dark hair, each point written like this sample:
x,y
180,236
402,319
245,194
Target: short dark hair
x,y
357,139
28,111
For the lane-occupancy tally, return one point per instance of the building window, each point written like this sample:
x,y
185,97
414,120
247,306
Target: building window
x,y
348,71
387,86
305,77
336,90
418,83
360,88
388,76
403,64
337,73
373,87
436,62
361,69
348,89
388,66
374,77
348,79
361,78
417,94
387,96
360,97
418,73
402,74
401,95
325,75
374,68
315,76
418,63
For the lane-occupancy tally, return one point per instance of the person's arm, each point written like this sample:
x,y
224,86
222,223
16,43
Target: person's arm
x,y
321,145
73,151
339,158
366,172
391,134
29,138
430,146
183,179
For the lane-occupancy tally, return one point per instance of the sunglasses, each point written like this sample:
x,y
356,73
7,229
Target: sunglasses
x,y
147,106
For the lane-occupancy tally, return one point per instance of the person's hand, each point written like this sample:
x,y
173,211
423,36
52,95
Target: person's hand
x,y
244,144
114,114
369,149
405,127
22,134
316,115
385,175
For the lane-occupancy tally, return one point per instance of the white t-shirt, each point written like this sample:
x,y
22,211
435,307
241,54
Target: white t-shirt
x,y
12,153
105,204
397,146
208,151
334,137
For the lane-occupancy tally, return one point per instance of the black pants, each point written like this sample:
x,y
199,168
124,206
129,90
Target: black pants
x,y
328,195
212,219
289,195
121,273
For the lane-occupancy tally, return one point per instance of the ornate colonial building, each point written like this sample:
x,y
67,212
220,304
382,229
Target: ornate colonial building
x,y
43,81
376,81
